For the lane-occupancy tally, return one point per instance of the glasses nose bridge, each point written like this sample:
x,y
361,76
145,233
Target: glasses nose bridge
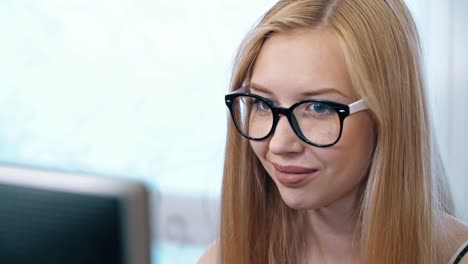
x,y
286,112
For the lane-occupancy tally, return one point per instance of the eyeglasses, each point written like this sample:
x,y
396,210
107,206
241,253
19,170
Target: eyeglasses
x,y
316,122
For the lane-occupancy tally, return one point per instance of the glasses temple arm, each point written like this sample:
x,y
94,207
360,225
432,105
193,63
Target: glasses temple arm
x,y
357,106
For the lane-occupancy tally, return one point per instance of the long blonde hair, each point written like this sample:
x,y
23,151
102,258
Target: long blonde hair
x,y
404,197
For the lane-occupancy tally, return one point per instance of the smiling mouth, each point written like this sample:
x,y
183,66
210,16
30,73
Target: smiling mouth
x,y
293,176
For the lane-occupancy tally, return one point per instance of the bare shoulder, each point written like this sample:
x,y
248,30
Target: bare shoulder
x,y
456,235
211,254
463,261
457,228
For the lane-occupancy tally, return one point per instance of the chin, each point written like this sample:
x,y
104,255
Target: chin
x,y
301,203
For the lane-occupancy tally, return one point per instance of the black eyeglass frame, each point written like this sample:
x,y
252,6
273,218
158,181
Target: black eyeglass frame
x,y
342,110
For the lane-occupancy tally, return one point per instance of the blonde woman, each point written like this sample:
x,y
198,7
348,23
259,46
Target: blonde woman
x,y
329,157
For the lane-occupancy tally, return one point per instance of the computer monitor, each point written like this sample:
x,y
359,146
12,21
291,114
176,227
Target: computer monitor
x,y
53,217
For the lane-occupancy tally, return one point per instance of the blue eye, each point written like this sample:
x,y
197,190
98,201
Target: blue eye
x,y
321,109
261,105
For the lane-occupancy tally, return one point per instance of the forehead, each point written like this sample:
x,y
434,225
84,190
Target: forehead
x,y
301,61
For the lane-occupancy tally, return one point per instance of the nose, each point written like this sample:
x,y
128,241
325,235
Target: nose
x,y
284,140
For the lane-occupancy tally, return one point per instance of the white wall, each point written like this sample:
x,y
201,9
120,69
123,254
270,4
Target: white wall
x,y
445,41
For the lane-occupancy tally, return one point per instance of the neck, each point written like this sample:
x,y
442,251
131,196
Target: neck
x,y
333,230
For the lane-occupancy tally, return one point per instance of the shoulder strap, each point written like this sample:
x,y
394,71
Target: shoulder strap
x,y
461,254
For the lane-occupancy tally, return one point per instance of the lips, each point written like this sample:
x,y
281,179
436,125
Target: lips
x,y
293,176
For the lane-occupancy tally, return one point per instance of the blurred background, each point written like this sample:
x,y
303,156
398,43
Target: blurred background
x,y
134,89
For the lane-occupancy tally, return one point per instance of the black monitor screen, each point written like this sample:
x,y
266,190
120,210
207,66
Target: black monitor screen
x,y
53,227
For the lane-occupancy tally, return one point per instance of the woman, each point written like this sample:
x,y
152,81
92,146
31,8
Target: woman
x,y
329,156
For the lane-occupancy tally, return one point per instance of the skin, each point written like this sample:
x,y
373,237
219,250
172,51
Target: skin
x,y
298,65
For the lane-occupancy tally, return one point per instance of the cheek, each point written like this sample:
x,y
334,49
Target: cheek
x,y
358,143
350,158
259,148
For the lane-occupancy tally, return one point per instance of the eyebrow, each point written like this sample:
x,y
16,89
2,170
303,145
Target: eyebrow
x,y
320,91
